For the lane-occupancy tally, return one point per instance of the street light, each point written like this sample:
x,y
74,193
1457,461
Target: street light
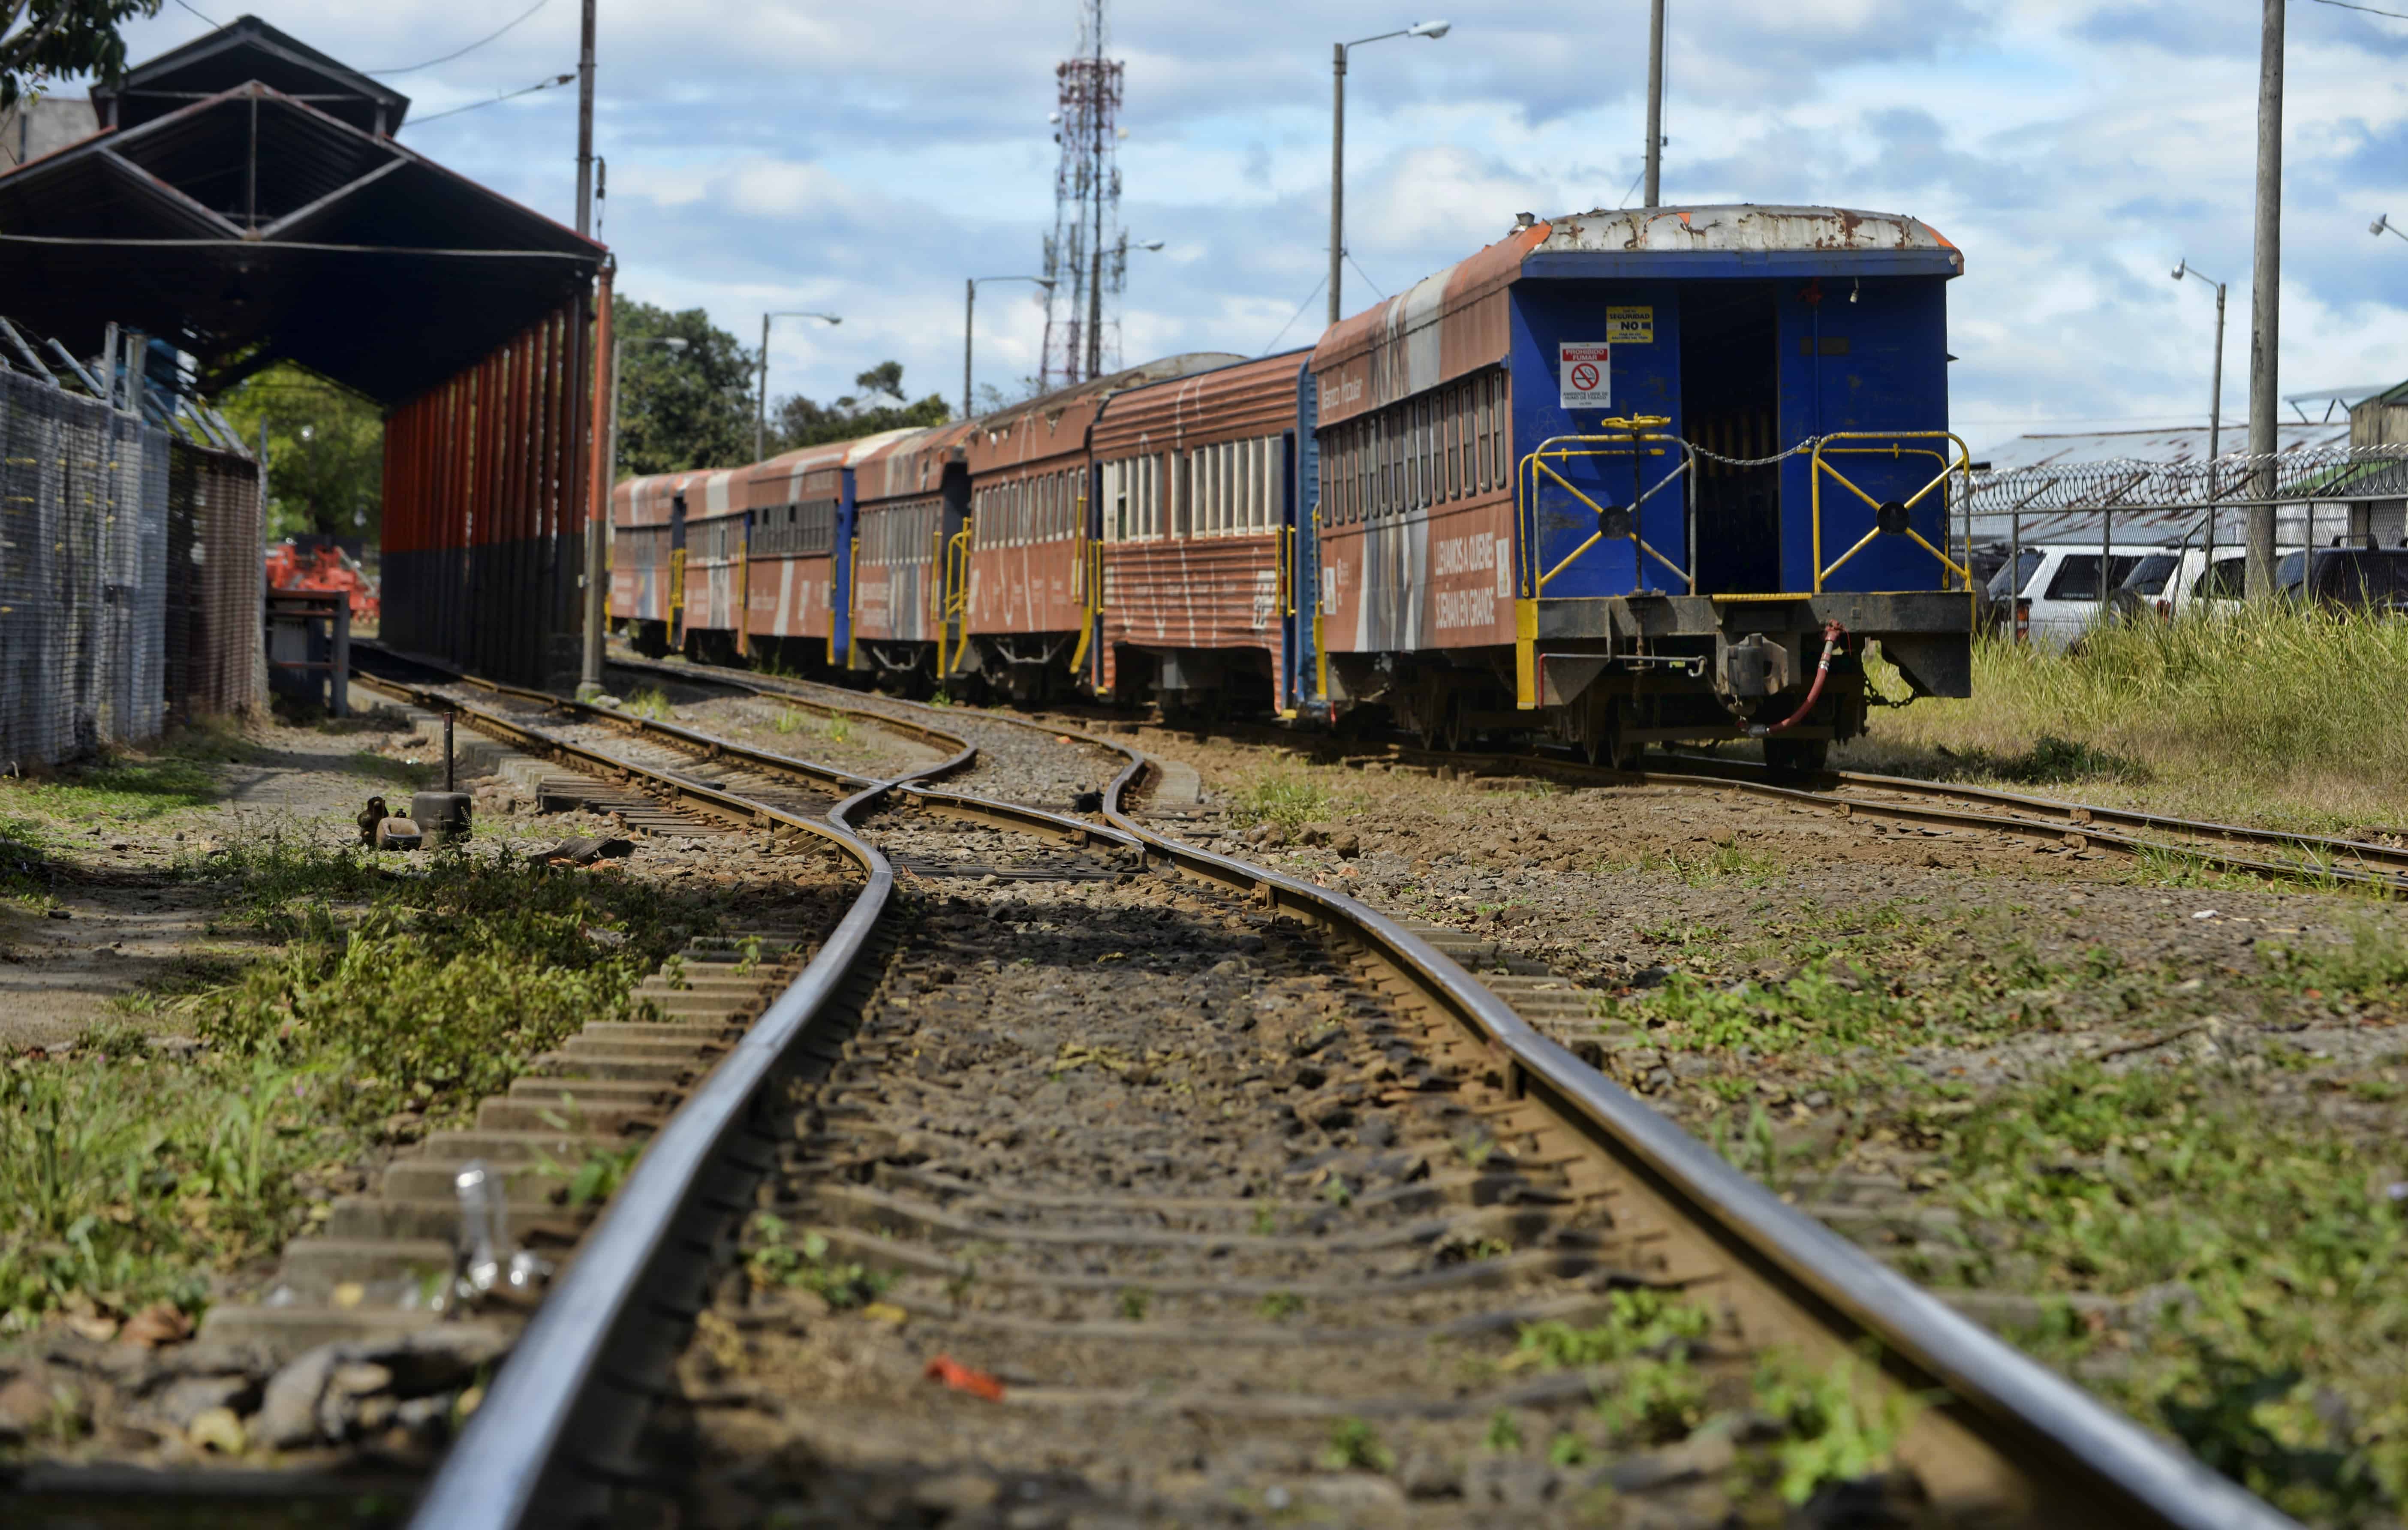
x,y
760,413
2383,225
969,305
2214,406
1432,30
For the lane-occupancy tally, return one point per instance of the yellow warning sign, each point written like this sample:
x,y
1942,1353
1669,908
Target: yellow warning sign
x,y
1630,326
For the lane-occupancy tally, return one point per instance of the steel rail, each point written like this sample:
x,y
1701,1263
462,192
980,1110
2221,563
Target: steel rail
x,y
2091,1464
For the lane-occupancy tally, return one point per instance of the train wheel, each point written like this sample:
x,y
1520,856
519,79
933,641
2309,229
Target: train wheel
x,y
1795,758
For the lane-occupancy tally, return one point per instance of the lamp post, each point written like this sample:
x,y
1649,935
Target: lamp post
x,y
2214,404
2383,225
761,412
1432,30
969,305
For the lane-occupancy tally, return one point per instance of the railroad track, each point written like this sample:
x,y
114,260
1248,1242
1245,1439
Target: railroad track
x,y
1528,1190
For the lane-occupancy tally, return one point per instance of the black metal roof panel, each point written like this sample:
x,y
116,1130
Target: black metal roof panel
x,y
250,226
245,50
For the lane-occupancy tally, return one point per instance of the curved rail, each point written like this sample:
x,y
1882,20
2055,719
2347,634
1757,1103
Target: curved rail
x,y
2083,1462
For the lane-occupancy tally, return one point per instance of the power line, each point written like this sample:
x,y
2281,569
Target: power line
x,y
1296,315
507,95
447,58
1364,275
2397,16
188,7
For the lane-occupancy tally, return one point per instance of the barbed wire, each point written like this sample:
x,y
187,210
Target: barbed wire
x,y
2305,475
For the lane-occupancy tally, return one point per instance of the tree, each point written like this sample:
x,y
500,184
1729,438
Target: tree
x,y
46,40
680,409
801,421
326,451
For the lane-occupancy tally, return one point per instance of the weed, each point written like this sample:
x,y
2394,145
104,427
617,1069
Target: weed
x,y
1636,1320
650,702
1568,1450
598,1177
1830,1436
2370,963
1727,861
1266,1222
1133,1303
806,1266
1354,1447
1288,801
1335,1191
1655,1400
1504,1435
1279,1306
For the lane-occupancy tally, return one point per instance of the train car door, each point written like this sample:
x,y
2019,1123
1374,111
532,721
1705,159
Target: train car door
x,y
1731,408
841,572
677,572
1300,509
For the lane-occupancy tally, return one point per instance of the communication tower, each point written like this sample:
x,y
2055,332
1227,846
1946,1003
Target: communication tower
x,y
1086,256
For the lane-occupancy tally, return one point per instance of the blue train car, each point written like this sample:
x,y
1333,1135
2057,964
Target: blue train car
x,y
1627,476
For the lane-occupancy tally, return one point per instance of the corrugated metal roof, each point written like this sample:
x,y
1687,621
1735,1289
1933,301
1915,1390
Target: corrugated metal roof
x,y
2101,452
2177,444
1738,227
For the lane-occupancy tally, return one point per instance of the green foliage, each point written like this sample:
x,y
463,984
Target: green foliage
x,y
326,451
681,409
1288,801
799,421
598,1177
776,1261
1637,1320
2279,1235
1728,861
2369,965
444,986
1354,1447
1504,1435
123,1180
1133,1302
1279,1306
52,41
1830,1436
1655,1400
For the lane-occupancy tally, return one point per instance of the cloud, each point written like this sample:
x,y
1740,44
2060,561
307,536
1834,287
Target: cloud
x,y
864,160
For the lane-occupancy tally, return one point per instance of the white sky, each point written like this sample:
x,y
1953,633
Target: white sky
x,y
863,159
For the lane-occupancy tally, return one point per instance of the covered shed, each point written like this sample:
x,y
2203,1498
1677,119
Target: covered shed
x,y
243,201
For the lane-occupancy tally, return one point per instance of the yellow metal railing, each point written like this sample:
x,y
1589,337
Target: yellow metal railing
x,y
677,586
1626,437
951,566
1890,517
1087,574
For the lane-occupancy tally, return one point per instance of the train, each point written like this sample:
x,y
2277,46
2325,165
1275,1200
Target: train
x,y
1617,478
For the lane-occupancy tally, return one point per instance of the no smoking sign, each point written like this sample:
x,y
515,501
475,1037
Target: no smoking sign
x,y
1584,377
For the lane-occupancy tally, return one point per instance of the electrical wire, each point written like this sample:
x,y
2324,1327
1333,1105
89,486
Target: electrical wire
x,y
187,4
507,95
1634,188
1365,275
1294,317
408,69
2395,15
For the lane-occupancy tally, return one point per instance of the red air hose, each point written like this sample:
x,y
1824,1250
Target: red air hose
x,y
1832,633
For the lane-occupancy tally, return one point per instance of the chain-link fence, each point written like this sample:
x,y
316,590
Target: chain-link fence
x,y
85,585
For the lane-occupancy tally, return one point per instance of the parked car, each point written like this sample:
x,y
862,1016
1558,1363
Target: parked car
x,y
2057,599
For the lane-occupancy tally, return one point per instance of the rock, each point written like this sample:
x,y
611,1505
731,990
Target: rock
x,y
962,1492
1703,1455
24,1404
1424,1473
1508,1481
1346,844
161,1323
317,1395
182,1401
216,1429
1353,1493
288,1411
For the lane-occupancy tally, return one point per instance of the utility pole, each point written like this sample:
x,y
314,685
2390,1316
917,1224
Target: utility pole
x,y
1655,105
2266,304
969,315
604,456
1336,176
585,124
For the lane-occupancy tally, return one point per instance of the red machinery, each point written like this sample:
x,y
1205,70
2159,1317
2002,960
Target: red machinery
x,y
324,568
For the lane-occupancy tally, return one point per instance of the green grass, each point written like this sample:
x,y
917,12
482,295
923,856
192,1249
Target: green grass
x,y
1727,861
1290,801
125,1181
2278,1238
650,702
777,1259
2281,713
434,987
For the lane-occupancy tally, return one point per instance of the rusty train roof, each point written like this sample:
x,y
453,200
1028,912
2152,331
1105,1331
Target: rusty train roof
x,y
1056,425
1229,403
1454,321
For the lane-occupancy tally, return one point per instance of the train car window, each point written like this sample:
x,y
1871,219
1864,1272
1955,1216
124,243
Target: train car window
x,y
1252,452
1451,412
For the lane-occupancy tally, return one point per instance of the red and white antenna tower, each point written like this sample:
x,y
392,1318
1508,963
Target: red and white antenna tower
x,y
1086,256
